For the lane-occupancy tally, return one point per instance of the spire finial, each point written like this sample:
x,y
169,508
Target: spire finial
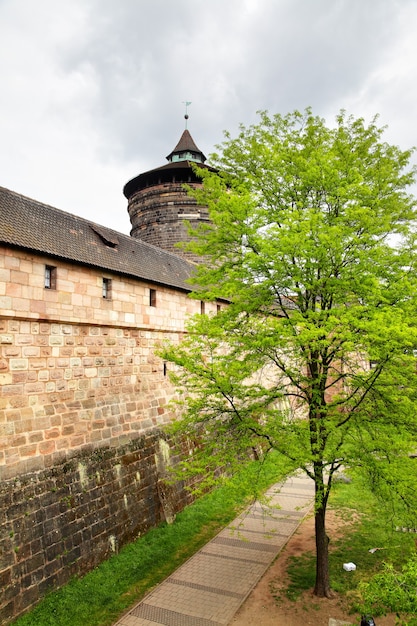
x,y
186,116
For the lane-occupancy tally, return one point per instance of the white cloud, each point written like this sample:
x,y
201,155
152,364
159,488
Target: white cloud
x,y
92,90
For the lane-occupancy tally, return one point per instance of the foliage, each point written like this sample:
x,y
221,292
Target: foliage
x,y
313,245
102,595
394,591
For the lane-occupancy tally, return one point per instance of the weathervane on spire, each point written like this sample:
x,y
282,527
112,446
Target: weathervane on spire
x,y
186,116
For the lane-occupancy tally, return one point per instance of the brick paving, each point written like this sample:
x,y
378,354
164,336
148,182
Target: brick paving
x,y
210,587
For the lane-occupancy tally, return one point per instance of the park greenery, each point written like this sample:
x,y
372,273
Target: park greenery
x,y
312,247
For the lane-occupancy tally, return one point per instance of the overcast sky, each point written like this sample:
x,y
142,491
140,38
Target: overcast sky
x,y
92,91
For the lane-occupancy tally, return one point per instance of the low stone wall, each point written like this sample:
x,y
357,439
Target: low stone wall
x,y
65,520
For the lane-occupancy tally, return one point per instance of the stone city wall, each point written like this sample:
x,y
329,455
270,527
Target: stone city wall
x,y
65,520
68,388
82,400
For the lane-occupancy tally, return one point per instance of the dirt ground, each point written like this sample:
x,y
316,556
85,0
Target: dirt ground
x,y
262,609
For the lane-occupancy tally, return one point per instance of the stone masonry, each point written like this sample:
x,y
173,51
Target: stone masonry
x,y
82,399
161,214
65,520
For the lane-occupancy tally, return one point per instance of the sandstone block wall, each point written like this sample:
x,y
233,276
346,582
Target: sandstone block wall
x,y
68,388
82,398
78,371
78,296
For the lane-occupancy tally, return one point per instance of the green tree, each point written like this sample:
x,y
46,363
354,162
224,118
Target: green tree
x,y
312,244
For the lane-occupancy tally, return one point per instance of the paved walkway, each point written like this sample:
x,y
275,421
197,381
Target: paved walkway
x,y
210,587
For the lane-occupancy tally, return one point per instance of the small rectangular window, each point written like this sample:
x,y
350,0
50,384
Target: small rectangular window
x,y
107,288
152,297
50,277
219,308
202,307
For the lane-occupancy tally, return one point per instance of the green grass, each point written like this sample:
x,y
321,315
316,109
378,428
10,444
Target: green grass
x,y
373,528
101,596
368,526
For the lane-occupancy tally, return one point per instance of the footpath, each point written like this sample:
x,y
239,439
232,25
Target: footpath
x,y
209,588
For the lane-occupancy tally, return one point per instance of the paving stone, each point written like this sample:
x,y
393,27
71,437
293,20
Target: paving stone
x,y
210,587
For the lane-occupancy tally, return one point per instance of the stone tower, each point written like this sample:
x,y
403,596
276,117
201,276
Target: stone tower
x,y
159,207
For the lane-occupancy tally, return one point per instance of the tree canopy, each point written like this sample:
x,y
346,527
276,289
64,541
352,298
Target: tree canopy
x,y
312,248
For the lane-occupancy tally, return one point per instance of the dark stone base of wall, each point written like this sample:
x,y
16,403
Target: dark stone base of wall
x,y
64,521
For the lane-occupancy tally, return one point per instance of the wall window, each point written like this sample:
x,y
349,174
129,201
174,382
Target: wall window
x,y
202,307
106,288
152,297
218,308
50,277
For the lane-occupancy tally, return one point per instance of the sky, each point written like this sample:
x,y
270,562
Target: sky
x,y
92,92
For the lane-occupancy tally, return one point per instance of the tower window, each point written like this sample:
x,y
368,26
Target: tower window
x,y
106,289
152,297
50,277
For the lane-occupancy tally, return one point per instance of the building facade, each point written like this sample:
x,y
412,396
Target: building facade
x,y
83,395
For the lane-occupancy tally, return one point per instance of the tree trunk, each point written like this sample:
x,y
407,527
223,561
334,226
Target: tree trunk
x,y
322,586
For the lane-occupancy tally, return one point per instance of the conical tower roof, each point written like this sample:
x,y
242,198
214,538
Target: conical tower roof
x,y
186,150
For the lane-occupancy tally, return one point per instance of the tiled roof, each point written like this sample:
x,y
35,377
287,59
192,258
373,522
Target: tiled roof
x,y
186,144
31,225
